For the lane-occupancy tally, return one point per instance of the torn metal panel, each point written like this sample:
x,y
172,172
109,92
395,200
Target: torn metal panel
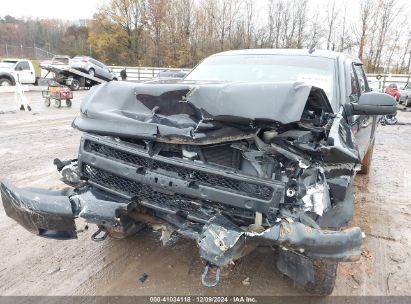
x,y
317,199
341,147
221,242
98,207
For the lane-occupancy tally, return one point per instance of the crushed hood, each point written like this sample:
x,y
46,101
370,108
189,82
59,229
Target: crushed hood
x,y
195,112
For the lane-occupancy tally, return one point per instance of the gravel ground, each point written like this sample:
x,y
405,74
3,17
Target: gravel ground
x,y
35,266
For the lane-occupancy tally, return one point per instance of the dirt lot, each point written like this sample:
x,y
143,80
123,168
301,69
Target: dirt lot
x,y
35,266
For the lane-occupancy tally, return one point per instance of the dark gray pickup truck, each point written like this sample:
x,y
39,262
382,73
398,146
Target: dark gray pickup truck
x,y
252,148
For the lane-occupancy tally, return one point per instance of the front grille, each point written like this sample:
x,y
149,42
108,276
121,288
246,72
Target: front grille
x,y
145,193
187,174
222,155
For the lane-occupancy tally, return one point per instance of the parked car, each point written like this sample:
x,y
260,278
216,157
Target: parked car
x,y
92,67
59,61
12,70
393,90
171,74
253,147
406,95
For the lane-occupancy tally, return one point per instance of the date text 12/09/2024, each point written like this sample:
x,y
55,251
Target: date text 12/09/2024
x,y
202,299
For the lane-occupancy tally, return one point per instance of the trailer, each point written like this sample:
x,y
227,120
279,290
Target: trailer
x,y
75,79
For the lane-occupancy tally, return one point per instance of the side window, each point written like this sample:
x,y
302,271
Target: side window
x,y
23,65
358,82
354,87
360,77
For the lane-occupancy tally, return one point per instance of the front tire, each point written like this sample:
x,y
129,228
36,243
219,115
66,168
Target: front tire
x,y
57,103
4,82
91,72
68,103
47,102
408,102
325,273
75,85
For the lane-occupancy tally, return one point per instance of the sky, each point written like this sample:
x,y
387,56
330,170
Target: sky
x,y
59,9
84,9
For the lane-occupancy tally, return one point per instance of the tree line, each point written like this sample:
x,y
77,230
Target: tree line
x,y
179,33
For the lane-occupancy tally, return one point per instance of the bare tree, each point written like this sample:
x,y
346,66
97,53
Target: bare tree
x,y
155,19
386,17
128,16
332,14
276,10
249,21
366,13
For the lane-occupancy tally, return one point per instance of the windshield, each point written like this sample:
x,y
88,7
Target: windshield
x,y
316,71
7,64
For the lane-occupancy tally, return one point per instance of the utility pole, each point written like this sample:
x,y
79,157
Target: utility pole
x,y
409,63
408,68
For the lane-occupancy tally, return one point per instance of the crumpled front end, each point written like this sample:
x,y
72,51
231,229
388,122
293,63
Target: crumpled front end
x,y
228,213
220,240
229,182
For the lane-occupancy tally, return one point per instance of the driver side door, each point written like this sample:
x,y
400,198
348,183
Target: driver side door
x,y
362,126
24,73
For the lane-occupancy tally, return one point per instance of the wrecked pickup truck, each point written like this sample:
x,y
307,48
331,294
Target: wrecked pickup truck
x,y
253,148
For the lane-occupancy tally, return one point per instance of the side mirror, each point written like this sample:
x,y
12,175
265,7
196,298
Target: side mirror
x,y
373,103
19,68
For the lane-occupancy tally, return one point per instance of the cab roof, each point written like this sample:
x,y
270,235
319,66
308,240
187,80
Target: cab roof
x,y
14,59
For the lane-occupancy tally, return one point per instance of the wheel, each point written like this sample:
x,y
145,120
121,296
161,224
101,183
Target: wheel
x,y
57,103
408,102
114,79
4,82
366,162
47,102
75,85
91,72
325,273
391,119
68,103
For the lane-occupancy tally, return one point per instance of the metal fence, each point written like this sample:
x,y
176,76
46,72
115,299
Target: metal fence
x,y
138,74
20,51
378,82
143,73
148,73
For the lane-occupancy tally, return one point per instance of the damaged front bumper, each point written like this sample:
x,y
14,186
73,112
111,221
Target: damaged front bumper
x,y
51,214
46,213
